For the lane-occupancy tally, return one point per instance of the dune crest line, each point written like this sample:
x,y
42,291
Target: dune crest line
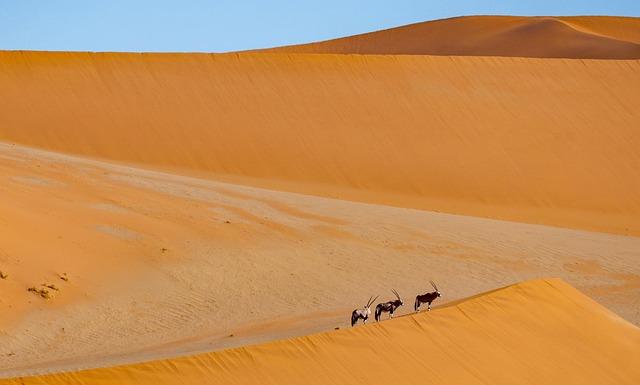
x,y
577,37
548,323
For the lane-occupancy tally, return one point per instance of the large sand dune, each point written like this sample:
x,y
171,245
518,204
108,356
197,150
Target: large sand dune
x,y
533,140
161,264
584,37
153,204
535,332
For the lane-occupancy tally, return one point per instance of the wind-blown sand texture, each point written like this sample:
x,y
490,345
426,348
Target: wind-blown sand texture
x,y
160,205
540,141
160,264
595,37
534,332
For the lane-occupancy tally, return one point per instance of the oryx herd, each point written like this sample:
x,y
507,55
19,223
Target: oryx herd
x,y
391,306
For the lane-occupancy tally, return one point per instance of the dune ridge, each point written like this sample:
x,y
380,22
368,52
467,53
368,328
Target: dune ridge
x,y
534,331
159,264
620,28
155,206
586,37
533,140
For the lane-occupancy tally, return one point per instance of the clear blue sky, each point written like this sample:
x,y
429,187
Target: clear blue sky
x,y
216,26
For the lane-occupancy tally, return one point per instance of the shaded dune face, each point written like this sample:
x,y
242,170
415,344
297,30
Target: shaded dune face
x,y
540,141
533,331
542,37
621,28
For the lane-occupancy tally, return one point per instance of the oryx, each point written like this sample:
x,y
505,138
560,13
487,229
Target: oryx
x,y
427,298
363,313
388,307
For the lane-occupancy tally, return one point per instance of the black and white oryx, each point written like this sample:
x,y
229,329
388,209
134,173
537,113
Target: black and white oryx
x,y
363,313
427,298
388,307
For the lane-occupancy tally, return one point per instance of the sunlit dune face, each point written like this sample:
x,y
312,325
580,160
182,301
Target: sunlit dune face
x,y
155,206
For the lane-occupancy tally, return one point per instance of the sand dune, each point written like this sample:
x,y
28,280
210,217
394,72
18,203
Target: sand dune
x,y
160,264
533,140
533,332
620,28
584,37
150,208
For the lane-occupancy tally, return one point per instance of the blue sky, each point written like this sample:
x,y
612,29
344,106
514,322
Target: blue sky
x,y
217,26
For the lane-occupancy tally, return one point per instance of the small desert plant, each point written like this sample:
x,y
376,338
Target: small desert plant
x,y
44,293
3,275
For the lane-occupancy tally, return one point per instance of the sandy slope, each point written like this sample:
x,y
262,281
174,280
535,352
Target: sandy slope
x,y
153,244
594,37
620,28
533,140
155,270
535,332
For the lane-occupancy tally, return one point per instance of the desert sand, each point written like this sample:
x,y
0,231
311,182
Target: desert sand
x,y
556,335
595,37
160,264
532,140
202,206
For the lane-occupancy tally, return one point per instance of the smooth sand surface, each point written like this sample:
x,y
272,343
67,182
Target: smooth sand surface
x,y
586,37
544,141
160,264
535,332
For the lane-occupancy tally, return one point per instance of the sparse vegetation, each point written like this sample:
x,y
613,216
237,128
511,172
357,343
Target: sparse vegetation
x,y
44,293
63,277
50,286
3,275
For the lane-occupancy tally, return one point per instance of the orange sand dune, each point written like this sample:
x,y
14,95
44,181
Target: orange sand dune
x,y
588,37
620,28
534,332
160,265
535,140
129,231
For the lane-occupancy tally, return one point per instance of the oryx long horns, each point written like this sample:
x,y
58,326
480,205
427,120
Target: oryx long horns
x,y
371,301
434,285
396,293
